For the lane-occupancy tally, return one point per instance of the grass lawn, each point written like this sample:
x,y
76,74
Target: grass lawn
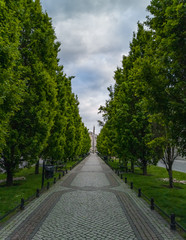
x,y
10,197
153,186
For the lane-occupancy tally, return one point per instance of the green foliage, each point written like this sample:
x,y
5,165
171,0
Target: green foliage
x,y
126,112
169,68
11,85
146,111
55,144
23,188
39,115
30,126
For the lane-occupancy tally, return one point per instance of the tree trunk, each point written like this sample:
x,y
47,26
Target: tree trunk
x,y
125,164
9,177
132,166
37,167
144,168
169,155
170,177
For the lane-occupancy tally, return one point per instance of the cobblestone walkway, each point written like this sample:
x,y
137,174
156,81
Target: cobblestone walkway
x,y
90,202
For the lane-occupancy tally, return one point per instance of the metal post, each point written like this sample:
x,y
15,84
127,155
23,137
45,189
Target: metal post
x,y
131,185
126,180
48,185
54,180
139,192
60,176
173,222
22,207
121,176
152,204
37,192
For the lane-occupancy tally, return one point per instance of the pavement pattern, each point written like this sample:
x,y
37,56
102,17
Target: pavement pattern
x,y
90,202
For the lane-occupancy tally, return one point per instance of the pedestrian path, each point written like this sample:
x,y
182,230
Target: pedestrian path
x,y
90,202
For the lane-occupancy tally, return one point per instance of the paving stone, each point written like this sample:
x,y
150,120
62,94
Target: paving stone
x,y
90,202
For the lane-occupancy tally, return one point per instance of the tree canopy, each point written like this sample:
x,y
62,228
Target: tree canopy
x,y
39,113
145,115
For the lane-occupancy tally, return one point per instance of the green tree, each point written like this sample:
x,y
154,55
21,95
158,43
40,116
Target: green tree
x,y
165,84
56,142
30,127
70,127
86,141
127,108
11,83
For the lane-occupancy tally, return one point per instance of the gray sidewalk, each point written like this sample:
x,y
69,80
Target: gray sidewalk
x,y
90,202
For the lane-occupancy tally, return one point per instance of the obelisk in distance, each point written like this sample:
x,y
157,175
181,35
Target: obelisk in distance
x,y
93,140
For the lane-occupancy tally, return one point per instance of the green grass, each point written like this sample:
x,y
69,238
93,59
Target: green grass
x,y
152,185
10,197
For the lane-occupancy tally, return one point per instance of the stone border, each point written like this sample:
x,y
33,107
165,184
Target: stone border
x,y
27,229
137,219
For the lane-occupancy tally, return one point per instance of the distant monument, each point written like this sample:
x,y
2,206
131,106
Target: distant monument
x,y
93,137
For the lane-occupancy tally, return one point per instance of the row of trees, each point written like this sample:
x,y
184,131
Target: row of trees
x,y
39,115
144,119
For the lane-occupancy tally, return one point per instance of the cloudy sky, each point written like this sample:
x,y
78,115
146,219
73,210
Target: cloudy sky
x,y
94,35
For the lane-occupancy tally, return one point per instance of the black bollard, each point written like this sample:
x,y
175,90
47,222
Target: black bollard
x,y
59,176
152,204
173,222
131,185
139,192
37,192
48,185
126,180
54,180
22,206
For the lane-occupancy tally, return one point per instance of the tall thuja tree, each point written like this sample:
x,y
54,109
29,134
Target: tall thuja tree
x,y
123,105
75,129
140,123
11,83
57,140
86,141
103,141
130,123
78,129
165,78
126,112
80,140
168,24
107,137
70,127
30,126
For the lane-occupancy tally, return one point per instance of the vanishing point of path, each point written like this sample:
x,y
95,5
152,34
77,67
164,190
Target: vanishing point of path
x,y
90,202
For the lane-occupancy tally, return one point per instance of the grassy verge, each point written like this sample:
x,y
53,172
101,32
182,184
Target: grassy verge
x,y
153,186
10,197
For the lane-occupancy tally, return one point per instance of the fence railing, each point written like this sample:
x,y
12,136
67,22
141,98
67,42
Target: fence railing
x,y
24,202
171,218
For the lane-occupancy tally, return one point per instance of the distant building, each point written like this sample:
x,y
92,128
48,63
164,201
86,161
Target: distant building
x,y
93,138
